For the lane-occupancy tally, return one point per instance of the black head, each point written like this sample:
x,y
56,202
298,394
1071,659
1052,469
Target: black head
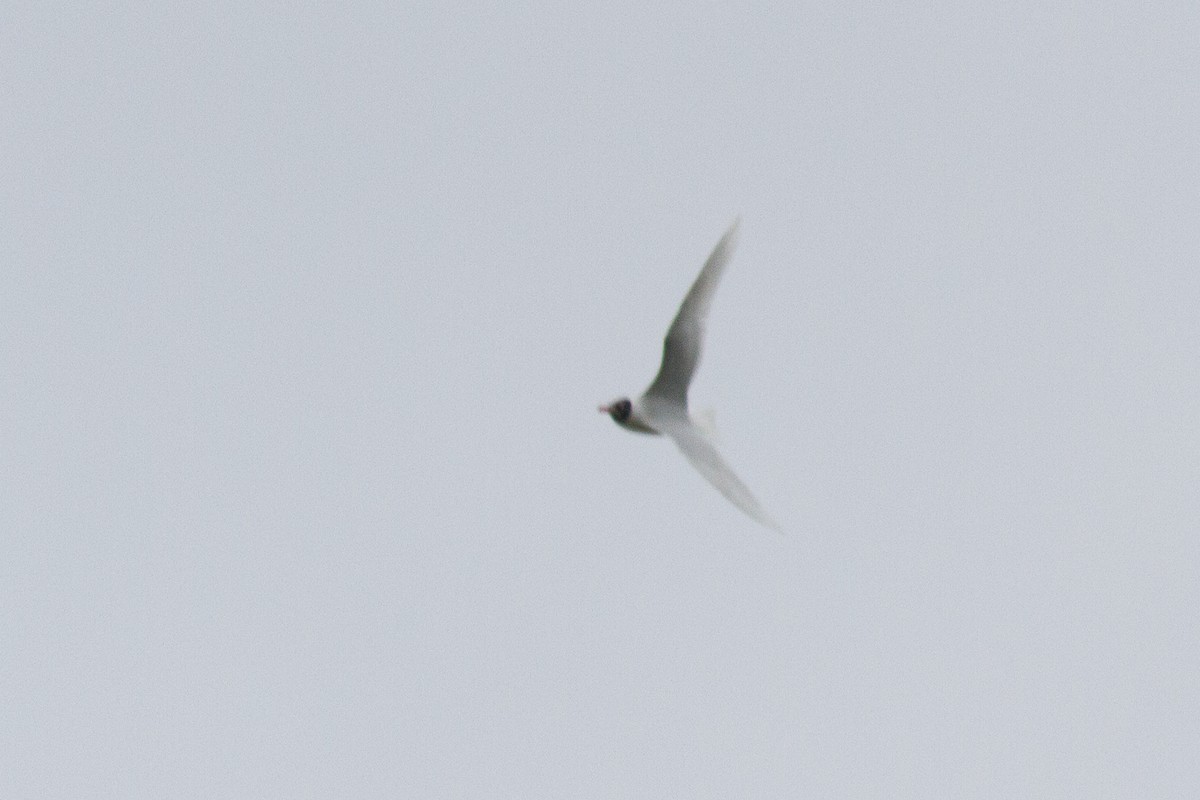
x,y
619,410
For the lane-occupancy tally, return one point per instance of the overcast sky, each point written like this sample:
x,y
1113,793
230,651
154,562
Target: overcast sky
x,y
306,312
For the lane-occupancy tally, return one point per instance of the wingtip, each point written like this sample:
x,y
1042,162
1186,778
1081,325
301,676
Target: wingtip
x,y
729,240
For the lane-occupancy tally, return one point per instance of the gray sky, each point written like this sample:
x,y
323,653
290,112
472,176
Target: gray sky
x,y
306,313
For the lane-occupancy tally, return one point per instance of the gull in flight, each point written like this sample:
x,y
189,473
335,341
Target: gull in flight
x,y
663,407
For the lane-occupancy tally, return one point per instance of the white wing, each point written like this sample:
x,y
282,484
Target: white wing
x,y
685,337
692,442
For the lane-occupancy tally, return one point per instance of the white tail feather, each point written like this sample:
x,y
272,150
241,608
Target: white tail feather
x,y
706,420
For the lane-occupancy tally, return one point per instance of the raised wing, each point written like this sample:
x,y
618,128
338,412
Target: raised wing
x,y
685,337
692,442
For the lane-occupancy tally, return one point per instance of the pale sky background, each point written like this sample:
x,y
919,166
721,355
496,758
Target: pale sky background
x,y
306,312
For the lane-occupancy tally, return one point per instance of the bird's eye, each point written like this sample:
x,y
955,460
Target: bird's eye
x,y
623,407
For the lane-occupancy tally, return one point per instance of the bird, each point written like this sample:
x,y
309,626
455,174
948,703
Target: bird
x,y
663,408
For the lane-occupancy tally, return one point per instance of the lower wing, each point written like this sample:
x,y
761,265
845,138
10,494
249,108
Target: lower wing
x,y
692,442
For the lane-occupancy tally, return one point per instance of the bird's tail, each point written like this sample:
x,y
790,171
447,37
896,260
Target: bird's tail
x,y
706,420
